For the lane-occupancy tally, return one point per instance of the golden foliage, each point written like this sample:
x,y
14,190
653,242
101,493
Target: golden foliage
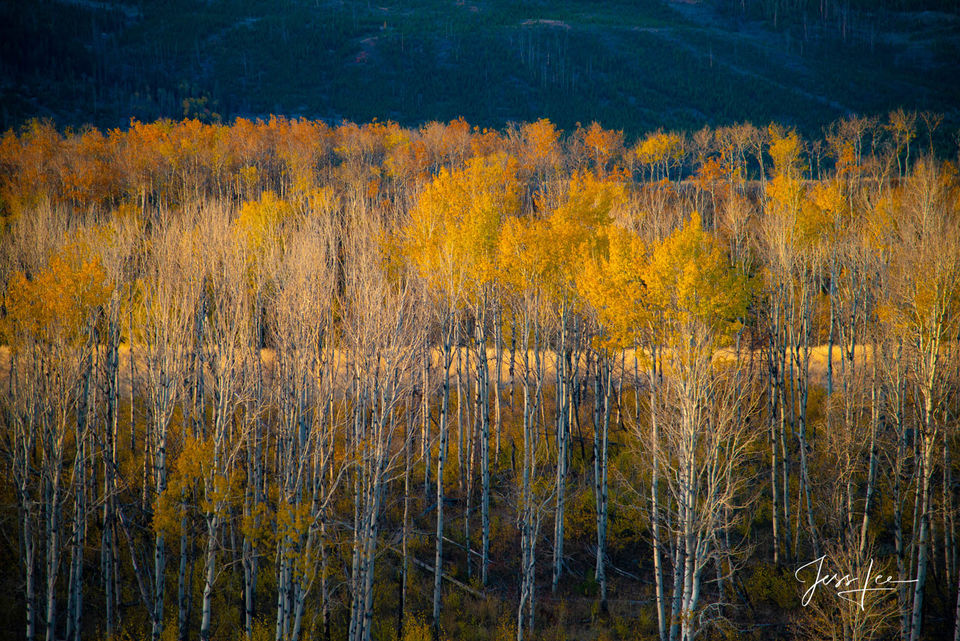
x,y
613,287
453,231
57,303
698,297
259,222
785,150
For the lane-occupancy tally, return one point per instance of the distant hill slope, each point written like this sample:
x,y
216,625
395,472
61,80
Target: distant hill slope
x,y
635,65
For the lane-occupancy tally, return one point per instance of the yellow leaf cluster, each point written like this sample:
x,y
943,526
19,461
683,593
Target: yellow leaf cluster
x,y
659,147
453,232
54,305
693,289
578,228
186,471
260,220
602,144
613,287
521,257
785,149
541,145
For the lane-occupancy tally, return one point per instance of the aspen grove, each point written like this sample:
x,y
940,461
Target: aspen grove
x,y
286,380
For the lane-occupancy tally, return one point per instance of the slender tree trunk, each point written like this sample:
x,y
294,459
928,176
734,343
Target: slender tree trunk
x,y
183,581
210,568
159,557
425,426
956,618
498,360
802,356
772,411
655,500
441,459
563,383
874,455
602,389
784,455
525,608
29,560
483,390
949,517
830,338
53,552
405,535
111,436
916,618
462,421
679,562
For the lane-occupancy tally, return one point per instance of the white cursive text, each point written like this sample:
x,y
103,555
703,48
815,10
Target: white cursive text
x,y
849,587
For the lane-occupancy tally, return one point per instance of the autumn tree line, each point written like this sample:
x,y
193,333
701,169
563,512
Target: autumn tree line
x,y
284,380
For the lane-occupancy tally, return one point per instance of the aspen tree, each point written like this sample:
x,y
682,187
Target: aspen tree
x,y
611,283
524,271
168,296
698,300
382,350
659,153
783,195
279,338
577,226
793,233
116,246
226,347
300,318
450,242
51,318
924,306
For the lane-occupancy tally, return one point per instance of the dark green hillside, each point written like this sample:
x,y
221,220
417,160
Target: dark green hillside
x,y
632,65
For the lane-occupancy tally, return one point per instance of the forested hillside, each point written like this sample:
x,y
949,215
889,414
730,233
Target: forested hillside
x,y
281,380
634,65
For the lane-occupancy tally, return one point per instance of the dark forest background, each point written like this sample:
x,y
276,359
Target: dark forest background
x,y
631,65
